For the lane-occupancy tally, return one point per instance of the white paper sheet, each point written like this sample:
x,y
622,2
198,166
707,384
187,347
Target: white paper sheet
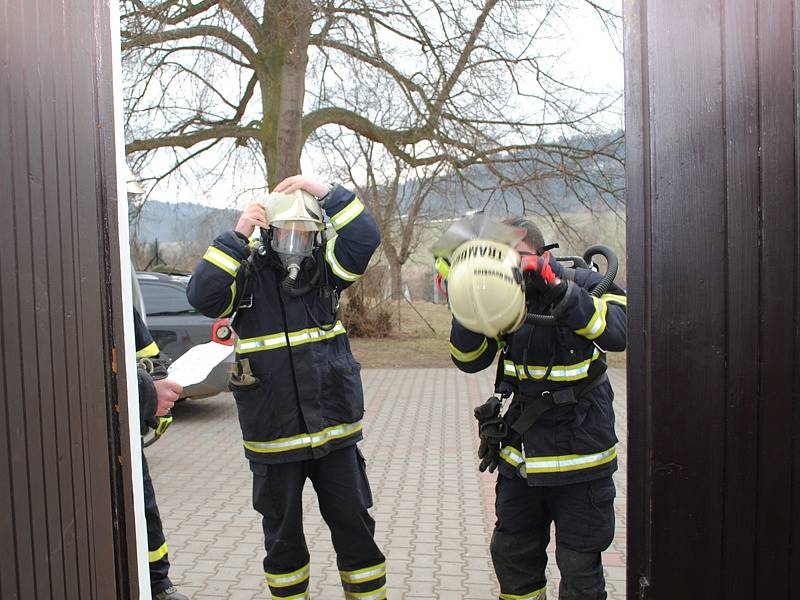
x,y
195,365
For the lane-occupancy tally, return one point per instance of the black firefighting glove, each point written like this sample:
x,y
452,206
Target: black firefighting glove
x,y
492,430
157,368
544,277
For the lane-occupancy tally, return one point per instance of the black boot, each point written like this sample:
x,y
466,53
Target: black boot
x,y
171,593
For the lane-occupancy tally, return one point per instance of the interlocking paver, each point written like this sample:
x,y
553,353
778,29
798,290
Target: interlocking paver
x,y
434,509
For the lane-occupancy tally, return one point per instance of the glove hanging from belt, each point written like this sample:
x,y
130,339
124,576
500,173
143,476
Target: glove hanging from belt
x,y
492,430
158,368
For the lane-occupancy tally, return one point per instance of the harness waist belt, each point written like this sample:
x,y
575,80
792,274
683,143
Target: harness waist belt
x,y
535,406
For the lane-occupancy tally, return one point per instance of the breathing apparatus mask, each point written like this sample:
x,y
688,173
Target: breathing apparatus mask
x,y
293,243
296,227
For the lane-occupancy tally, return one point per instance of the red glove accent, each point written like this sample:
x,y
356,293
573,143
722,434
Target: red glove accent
x,y
440,284
541,265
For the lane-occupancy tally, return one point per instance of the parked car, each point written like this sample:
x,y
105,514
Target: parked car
x,y
176,326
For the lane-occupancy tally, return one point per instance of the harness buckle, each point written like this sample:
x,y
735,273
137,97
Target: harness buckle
x,y
560,397
246,302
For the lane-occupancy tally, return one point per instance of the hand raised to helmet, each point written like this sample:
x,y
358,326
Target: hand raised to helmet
x,y
305,183
253,216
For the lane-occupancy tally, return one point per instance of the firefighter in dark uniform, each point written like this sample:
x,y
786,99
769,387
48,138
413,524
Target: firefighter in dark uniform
x,y
297,385
156,398
556,464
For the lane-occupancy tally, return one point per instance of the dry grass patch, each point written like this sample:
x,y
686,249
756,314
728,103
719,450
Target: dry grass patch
x,y
419,338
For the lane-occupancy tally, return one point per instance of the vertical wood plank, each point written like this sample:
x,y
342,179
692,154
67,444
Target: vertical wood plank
x,y
740,63
10,431
778,277
794,555
688,294
637,173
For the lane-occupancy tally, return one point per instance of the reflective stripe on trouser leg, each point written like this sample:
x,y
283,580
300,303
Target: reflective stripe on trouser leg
x,y
520,538
519,562
540,594
340,480
157,557
277,495
368,583
292,585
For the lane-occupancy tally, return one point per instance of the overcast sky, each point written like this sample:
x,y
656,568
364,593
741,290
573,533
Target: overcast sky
x,y
590,59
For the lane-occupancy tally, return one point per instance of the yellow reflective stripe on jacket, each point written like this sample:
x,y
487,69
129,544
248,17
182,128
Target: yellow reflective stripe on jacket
x,y
616,298
379,594
229,308
300,596
442,267
296,338
469,356
597,324
347,214
557,373
306,440
148,351
570,462
157,554
287,579
365,574
512,456
539,594
336,266
224,261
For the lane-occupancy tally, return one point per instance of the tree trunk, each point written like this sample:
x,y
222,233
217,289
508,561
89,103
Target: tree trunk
x,y
396,275
284,47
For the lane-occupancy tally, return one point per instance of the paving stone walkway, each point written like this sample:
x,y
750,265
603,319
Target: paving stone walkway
x,y
433,508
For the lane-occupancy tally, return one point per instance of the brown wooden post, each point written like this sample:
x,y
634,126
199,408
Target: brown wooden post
x,y
714,298
65,455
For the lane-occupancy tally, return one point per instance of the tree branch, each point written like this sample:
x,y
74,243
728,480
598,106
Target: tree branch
x,y
142,40
187,140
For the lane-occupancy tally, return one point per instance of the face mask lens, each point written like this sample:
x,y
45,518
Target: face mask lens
x,y
294,240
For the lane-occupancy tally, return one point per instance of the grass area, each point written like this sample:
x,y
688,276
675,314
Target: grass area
x,y
414,345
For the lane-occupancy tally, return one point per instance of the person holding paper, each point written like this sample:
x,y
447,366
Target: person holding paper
x,y
156,399
297,385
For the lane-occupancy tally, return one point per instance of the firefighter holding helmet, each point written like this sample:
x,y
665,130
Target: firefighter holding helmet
x,y
555,446
297,385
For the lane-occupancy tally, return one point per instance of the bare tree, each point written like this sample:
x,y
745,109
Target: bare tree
x,y
437,84
394,192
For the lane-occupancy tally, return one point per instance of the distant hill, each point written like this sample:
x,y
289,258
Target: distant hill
x,y
450,195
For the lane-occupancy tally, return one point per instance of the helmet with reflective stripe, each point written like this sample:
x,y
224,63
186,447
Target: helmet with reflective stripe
x,y
485,287
298,207
296,218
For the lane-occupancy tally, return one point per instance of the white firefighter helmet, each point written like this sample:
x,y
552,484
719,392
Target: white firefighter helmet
x,y
296,218
485,288
296,207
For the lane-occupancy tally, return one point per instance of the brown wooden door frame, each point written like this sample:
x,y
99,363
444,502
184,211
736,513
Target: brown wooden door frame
x,y
714,298
67,483
138,571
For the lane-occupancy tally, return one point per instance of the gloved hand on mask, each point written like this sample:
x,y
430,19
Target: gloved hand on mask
x,y
544,277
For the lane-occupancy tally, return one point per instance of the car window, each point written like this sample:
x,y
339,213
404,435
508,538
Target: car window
x,y
164,298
